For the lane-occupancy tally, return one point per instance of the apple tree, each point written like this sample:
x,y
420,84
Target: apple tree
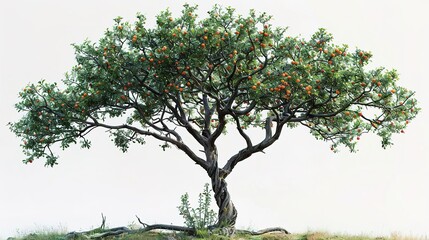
x,y
198,77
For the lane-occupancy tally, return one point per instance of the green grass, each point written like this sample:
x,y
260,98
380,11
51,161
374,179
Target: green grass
x,y
153,235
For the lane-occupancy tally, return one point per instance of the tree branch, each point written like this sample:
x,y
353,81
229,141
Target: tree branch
x,y
242,133
178,144
248,151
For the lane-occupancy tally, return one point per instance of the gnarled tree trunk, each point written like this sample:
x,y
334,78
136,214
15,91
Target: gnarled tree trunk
x,y
227,214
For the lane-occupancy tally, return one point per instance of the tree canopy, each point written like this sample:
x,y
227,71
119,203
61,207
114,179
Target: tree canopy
x,y
206,75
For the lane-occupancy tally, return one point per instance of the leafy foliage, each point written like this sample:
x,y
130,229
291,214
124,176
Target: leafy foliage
x,y
200,217
203,76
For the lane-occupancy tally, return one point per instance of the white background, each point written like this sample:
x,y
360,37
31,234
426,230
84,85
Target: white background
x,y
298,184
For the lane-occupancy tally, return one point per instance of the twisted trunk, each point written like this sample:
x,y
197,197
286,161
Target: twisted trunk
x,y
227,214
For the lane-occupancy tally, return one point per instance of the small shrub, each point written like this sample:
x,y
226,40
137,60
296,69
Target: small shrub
x,y
200,217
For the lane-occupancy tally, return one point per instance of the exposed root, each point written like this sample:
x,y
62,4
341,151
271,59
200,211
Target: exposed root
x,y
103,221
100,232
147,227
263,231
125,230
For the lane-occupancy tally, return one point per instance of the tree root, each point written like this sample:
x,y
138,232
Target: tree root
x,y
97,234
263,231
101,232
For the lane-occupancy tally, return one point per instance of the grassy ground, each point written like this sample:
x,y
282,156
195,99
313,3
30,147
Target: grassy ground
x,y
179,236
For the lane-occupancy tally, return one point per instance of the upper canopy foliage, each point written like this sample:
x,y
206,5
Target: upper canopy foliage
x,y
200,75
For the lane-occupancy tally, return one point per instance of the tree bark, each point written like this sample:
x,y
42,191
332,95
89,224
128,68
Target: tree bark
x,y
227,214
